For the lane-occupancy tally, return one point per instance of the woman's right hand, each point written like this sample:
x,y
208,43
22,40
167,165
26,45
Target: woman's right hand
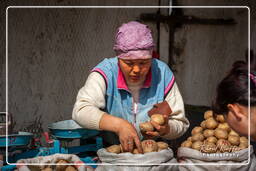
x,y
128,137
126,132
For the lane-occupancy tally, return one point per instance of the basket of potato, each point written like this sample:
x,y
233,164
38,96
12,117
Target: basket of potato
x,y
214,141
215,136
154,154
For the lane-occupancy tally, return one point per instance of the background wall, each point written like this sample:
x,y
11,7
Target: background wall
x,y
51,52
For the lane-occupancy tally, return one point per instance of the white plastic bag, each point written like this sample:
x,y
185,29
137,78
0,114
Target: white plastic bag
x,y
236,161
139,162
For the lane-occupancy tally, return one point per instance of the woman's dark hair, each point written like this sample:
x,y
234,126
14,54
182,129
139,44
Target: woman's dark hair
x,y
234,87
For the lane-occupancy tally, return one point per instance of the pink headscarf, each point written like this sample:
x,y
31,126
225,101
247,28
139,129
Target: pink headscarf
x,y
134,41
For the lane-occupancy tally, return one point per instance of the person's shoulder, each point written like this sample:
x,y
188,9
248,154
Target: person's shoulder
x,y
108,62
160,64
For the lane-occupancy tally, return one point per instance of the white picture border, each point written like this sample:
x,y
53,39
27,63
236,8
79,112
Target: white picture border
x,y
178,164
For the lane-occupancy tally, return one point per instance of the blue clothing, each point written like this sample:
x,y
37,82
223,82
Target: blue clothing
x,y
119,100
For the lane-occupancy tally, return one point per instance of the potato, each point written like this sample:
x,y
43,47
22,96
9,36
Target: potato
x,y
197,145
220,118
235,148
224,126
135,151
196,130
221,142
211,140
149,146
208,133
114,149
211,123
208,114
158,118
197,137
232,132
61,165
162,145
209,148
203,124
243,146
146,126
234,140
189,139
186,144
221,133
70,168
223,145
243,140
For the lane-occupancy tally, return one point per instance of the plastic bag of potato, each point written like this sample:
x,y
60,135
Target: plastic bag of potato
x,y
157,156
46,163
236,161
214,142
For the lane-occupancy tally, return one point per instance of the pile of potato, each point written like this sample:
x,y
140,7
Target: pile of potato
x,y
60,166
215,136
147,146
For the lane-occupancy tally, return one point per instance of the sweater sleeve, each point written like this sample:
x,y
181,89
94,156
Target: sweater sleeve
x,y
177,121
89,102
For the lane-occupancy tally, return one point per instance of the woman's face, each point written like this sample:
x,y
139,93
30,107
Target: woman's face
x,y
238,119
135,71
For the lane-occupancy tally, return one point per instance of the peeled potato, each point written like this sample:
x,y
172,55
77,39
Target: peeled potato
x,y
211,140
158,118
197,145
224,126
234,140
208,133
221,133
196,130
146,126
211,123
70,168
197,137
62,166
220,118
232,132
149,146
203,124
186,144
114,149
243,140
162,145
208,114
